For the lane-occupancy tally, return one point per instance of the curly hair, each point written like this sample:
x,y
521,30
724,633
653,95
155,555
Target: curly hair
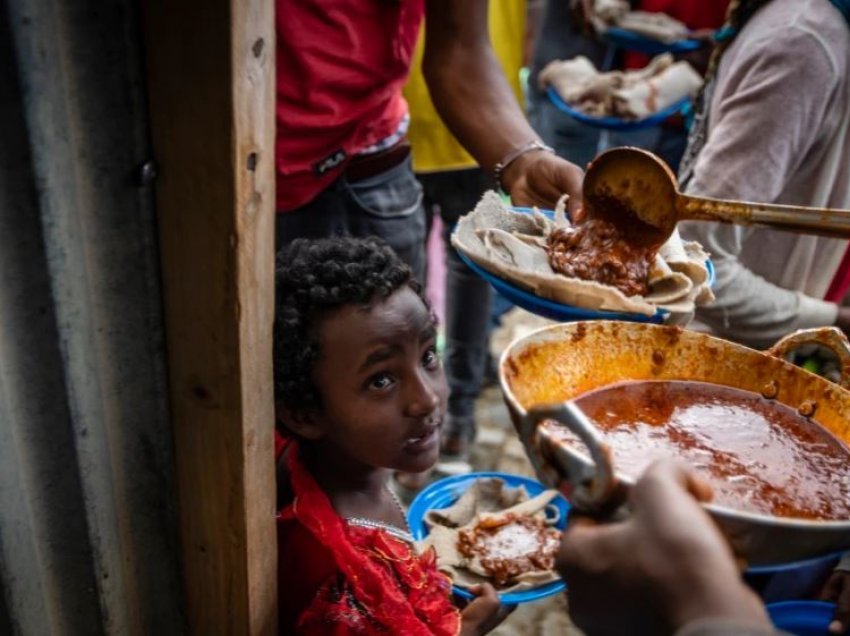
x,y
313,278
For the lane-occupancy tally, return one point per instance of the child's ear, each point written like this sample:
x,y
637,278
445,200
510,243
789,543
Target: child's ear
x,y
302,422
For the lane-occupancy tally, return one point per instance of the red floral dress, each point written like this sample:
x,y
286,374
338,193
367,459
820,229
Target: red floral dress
x,y
338,578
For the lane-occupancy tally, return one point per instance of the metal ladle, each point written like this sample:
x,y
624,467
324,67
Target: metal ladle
x,y
636,191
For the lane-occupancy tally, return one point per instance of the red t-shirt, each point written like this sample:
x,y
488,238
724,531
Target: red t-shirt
x,y
697,14
341,65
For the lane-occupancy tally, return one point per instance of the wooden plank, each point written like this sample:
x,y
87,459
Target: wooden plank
x,y
211,94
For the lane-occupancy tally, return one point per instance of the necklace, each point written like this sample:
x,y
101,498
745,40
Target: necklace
x,y
399,533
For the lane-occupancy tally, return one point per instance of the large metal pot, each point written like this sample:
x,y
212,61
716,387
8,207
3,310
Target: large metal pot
x,y
540,374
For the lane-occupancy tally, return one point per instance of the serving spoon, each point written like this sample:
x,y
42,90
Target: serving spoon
x,y
637,192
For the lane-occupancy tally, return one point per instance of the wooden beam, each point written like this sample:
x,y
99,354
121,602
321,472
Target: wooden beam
x,y
211,93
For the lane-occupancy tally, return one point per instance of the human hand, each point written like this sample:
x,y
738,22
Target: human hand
x,y
837,590
484,613
541,178
664,566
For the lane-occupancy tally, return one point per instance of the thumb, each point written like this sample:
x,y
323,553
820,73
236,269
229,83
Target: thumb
x,y
667,480
567,178
485,603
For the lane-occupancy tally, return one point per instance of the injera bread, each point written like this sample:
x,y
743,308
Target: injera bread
x,y
487,497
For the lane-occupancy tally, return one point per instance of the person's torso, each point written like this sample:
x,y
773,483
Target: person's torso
x,y
341,65
695,14
790,260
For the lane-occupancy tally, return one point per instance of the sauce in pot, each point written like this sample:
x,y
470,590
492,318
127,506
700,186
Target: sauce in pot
x,y
758,454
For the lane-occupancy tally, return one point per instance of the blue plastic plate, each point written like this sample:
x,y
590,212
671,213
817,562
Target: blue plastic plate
x,y
632,41
803,618
783,568
443,493
615,123
559,311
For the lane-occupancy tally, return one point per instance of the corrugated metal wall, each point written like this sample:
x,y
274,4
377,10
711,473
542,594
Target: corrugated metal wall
x,y
88,541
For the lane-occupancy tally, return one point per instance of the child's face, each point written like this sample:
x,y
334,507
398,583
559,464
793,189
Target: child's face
x,y
382,386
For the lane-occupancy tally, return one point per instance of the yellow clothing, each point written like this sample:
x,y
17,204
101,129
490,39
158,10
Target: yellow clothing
x,y
434,148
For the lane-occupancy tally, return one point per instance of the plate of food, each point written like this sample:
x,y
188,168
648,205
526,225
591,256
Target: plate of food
x,y
633,41
650,32
617,123
493,527
620,100
524,254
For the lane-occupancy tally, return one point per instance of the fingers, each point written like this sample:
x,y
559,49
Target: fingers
x,y
671,471
578,215
700,488
485,604
564,178
666,509
485,591
666,482
588,546
841,619
523,197
485,611
545,178
575,208
837,590
503,612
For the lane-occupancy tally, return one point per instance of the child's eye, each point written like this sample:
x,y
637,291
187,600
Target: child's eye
x,y
430,359
381,381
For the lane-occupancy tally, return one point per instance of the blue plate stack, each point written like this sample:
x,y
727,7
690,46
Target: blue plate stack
x,y
615,123
631,41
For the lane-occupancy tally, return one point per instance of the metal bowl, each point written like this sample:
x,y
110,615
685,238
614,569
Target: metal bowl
x,y
542,372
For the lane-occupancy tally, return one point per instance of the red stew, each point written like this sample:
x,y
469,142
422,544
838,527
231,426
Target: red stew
x,y
597,251
511,545
758,454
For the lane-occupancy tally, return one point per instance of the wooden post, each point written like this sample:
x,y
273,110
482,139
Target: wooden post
x,y
212,90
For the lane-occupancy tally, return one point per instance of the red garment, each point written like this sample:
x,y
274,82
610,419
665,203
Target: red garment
x,y
341,579
840,281
280,443
341,65
696,14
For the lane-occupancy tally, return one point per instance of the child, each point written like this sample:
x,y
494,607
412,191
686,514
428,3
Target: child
x,y
361,393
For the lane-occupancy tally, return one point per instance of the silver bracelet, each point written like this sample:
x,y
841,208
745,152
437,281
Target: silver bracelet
x,y
513,154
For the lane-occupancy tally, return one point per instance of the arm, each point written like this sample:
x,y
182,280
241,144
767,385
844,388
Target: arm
x,y
667,565
772,112
749,308
474,99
